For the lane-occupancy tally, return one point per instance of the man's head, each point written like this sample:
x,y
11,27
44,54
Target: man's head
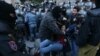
x,y
56,12
76,10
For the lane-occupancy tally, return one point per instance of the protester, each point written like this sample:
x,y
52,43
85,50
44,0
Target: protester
x,y
72,28
50,31
51,24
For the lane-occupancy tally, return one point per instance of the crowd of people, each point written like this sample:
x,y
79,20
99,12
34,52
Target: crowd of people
x,y
65,30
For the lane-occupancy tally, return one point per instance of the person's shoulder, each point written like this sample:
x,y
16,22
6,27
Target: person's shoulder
x,y
28,13
69,14
94,12
2,2
48,18
5,4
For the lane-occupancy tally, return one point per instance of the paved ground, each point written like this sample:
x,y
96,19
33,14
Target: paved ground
x,y
29,44
32,47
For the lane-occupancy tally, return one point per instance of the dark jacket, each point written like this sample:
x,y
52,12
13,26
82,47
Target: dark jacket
x,y
89,32
4,39
49,27
6,26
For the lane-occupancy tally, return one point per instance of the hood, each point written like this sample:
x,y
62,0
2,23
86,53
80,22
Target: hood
x,y
95,12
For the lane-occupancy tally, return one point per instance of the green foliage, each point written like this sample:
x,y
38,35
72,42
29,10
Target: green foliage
x,y
37,1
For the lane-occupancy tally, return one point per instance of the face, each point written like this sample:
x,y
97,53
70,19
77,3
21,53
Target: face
x,y
74,11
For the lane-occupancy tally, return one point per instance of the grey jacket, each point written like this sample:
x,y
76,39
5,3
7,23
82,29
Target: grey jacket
x,y
49,27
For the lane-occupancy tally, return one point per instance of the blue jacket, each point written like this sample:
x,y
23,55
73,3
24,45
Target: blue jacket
x,y
70,32
30,18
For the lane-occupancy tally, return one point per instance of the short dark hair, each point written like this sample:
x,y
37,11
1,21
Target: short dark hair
x,y
77,8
